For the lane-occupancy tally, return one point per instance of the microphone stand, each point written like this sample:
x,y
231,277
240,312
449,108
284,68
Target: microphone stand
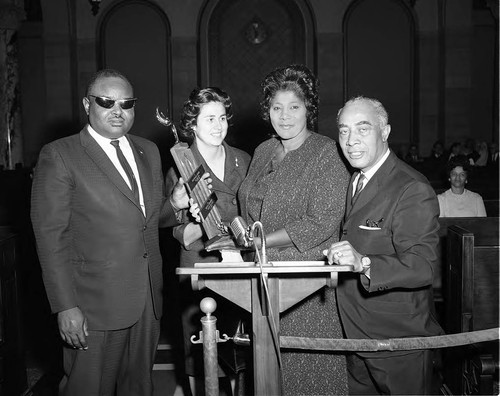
x,y
264,292
262,258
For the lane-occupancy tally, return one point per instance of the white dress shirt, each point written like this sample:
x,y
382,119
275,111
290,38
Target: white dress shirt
x,y
110,151
369,174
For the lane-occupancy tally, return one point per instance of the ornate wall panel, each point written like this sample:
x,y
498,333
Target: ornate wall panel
x,y
242,41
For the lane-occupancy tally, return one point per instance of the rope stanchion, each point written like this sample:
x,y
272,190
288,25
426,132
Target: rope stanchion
x,y
392,344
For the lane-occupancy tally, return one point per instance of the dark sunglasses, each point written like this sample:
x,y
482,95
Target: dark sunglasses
x,y
107,103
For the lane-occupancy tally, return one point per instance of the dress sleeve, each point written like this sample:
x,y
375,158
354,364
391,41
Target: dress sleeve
x,y
325,195
481,210
442,205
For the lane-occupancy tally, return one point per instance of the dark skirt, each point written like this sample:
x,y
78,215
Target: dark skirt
x,y
313,373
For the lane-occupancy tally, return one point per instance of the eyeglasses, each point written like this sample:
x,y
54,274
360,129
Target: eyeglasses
x,y
107,103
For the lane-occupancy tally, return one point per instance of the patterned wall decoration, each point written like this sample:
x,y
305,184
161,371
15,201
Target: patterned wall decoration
x,y
247,40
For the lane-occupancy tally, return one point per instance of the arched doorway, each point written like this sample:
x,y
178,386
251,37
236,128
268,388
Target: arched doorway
x,y
379,61
242,41
134,38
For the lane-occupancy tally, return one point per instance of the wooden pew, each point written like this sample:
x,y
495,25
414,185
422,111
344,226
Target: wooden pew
x,y
471,303
492,207
480,226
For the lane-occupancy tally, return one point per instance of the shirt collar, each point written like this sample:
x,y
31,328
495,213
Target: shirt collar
x,y
104,142
369,174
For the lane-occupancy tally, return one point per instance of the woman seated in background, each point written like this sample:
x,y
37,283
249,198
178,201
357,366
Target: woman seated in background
x,y
296,187
455,150
458,201
204,125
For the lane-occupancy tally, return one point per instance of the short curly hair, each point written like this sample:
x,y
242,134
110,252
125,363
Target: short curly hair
x,y
298,79
192,108
104,73
458,160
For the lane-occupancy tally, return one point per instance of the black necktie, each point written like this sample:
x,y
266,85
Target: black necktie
x,y
126,167
359,187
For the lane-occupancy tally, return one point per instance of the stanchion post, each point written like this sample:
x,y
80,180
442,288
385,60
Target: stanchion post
x,y
209,336
209,328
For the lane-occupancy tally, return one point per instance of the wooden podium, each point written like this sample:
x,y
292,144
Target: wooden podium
x,y
288,282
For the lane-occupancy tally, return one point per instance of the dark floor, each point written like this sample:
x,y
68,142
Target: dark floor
x,y
43,380
42,383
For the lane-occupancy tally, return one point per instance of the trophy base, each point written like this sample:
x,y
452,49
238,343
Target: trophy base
x,y
220,242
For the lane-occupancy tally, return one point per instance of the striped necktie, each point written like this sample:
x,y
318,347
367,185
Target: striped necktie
x,y
126,167
359,187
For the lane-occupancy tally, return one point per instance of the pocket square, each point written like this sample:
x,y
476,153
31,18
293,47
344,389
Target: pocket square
x,y
363,227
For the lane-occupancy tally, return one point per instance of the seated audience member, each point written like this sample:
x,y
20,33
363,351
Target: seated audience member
x,y
493,156
458,201
455,149
435,164
413,157
493,148
438,150
469,150
482,150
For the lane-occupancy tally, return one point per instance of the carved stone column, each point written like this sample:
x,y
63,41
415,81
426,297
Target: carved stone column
x,y
11,150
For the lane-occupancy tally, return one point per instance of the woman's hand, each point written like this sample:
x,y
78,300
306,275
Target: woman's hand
x,y
194,210
180,198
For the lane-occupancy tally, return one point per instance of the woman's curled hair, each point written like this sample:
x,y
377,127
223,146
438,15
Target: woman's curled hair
x,y
192,108
298,79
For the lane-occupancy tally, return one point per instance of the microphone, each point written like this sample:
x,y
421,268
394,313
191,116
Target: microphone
x,y
240,231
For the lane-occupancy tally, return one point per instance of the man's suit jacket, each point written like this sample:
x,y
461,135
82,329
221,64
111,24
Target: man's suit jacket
x,y
96,248
398,299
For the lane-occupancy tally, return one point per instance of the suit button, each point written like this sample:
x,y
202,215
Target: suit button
x,y
234,201
344,232
145,255
145,228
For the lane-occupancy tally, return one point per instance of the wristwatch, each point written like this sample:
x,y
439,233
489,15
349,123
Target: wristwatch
x,y
365,262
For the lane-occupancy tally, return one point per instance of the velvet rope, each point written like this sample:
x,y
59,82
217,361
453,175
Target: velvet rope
x,y
392,344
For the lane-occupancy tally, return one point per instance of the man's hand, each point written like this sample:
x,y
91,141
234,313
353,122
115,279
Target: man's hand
x,y
73,328
343,253
179,198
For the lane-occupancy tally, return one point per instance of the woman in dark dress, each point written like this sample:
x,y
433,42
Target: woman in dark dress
x,y
204,124
296,186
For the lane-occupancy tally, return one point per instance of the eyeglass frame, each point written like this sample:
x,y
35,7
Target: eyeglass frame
x,y
120,102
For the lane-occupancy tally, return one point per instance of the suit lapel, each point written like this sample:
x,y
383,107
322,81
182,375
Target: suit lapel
x,y
232,178
100,158
233,170
373,186
145,173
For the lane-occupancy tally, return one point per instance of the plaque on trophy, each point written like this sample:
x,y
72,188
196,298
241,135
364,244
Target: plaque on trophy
x,y
192,172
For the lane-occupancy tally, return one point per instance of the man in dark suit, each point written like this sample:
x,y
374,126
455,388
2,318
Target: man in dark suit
x,y
389,235
97,202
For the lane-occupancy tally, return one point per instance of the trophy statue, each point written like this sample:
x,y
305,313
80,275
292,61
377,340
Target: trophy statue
x,y
192,172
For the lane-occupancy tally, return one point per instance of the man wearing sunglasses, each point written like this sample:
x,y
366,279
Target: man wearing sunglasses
x,y
97,202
